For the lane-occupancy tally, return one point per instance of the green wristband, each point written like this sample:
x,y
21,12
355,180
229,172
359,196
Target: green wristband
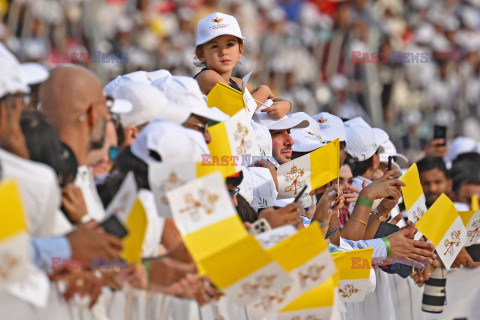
x,y
387,245
364,202
146,264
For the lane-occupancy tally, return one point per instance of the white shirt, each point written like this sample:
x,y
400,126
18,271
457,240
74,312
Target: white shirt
x,y
39,189
86,183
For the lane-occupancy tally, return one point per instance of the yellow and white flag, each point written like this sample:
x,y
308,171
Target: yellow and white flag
x,y
471,221
305,257
474,203
413,195
166,176
219,244
14,241
318,303
230,100
136,224
313,170
442,225
234,144
353,268
124,199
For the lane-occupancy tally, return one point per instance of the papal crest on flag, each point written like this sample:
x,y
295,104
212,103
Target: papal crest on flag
x,y
233,146
413,195
166,176
471,221
442,225
306,259
14,241
353,268
313,170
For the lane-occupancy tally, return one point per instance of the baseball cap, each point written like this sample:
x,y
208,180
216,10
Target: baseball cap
x,y
33,73
120,106
148,104
285,123
264,139
217,24
399,160
331,127
380,137
461,145
139,76
11,80
186,94
309,138
362,142
165,139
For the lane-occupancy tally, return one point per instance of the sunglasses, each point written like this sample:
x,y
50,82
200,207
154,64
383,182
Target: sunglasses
x,y
234,192
113,153
202,127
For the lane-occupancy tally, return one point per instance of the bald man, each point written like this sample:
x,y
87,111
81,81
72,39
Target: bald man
x,y
73,98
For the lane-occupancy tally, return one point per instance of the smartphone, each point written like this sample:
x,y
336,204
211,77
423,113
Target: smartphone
x,y
440,132
259,226
300,194
331,233
113,226
474,252
389,166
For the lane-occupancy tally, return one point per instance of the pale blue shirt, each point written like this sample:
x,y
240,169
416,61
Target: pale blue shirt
x,y
44,249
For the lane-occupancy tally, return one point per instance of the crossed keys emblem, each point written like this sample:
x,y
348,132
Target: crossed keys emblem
x,y
475,232
313,273
294,175
348,291
417,214
267,300
260,282
170,183
240,134
194,207
450,244
10,262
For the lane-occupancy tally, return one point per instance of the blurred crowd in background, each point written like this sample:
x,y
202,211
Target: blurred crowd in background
x,y
301,48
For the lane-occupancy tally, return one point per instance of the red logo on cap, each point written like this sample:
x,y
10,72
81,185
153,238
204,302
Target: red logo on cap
x,y
217,20
322,120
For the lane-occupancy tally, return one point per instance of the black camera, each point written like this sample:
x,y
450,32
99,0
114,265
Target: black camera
x,y
434,295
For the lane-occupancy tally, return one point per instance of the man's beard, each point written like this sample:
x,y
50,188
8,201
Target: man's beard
x,y
98,144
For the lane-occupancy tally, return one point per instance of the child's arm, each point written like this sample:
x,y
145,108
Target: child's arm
x,y
208,79
279,109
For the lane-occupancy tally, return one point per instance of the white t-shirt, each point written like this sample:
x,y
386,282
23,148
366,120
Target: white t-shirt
x,y
39,189
86,183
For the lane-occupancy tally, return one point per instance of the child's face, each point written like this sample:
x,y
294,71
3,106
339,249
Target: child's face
x,y
221,53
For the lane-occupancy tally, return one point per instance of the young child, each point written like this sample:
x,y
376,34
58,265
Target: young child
x,y
219,46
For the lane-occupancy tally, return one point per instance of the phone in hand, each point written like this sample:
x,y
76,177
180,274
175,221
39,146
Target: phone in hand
x,y
331,233
300,194
259,226
440,132
389,166
113,226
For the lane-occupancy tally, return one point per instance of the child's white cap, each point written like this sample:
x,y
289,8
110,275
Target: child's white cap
x,y
217,24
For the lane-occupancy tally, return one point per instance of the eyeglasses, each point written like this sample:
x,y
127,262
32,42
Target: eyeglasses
x,y
200,126
113,153
234,192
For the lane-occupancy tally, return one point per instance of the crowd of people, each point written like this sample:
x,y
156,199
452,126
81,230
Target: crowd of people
x,y
73,129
